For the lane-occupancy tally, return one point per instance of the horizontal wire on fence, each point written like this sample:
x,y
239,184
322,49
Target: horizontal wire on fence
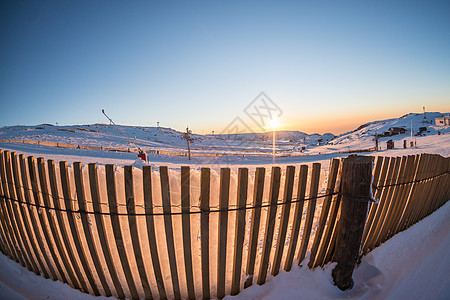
x,y
294,200
232,207
411,181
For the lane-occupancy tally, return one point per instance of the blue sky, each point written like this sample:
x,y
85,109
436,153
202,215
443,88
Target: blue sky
x,y
329,65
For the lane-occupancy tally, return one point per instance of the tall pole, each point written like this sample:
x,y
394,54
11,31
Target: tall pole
x,y
273,147
188,140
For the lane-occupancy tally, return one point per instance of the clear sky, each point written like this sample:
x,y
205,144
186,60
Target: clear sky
x,y
330,66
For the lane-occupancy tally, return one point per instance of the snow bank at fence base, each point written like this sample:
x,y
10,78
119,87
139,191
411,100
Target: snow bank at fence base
x,y
414,264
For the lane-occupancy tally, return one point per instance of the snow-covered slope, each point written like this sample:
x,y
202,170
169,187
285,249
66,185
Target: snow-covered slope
x,y
410,122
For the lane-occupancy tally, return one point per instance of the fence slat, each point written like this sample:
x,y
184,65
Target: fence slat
x,y
407,177
79,185
131,210
334,168
6,218
165,193
34,225
258,191
383,236
240,230
186,225
390,196
382,205
270,224
224,196
301,191
386,172
12,211
420,190
313,190
79,282
148,204
373,206
53,226
204,230
69,204
285,210
37,201
95,196
436,184
115,223
424,203
24,216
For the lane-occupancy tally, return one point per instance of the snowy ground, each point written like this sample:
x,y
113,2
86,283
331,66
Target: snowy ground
x,y
414,264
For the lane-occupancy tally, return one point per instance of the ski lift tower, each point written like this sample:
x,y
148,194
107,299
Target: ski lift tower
x,y
424,116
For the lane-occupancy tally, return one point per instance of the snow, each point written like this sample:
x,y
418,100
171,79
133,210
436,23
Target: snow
x,y
414,264
424,262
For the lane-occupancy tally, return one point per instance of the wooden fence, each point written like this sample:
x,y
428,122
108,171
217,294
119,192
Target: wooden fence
x,y
186,234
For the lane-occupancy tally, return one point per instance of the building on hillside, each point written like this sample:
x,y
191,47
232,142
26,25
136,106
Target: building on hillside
x,y
396,130
443,121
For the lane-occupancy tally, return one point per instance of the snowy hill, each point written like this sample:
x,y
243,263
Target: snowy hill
x,y
219,150
152,138
409,122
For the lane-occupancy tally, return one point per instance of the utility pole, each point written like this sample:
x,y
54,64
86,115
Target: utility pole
x,y
376,140
424,116
188,139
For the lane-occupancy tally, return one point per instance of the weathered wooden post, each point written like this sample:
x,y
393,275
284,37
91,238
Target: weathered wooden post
x,y
356,180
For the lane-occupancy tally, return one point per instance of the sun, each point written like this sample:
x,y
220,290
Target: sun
x,y
274,124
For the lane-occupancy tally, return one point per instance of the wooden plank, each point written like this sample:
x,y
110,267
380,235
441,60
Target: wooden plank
x,y
373,206
165,194
285,210
239,230
37,201
383,203
298,211
52,224
79,186
23,216
131,210
420,190
380,192
411,201
390,197
356,183
12,211
95,196
258,192
224,195
434,185
186,225
401,205
78,283
332,176
6,218
204,229
34,225
148,204
313,190
70,207
6,243
115,223
425,203
394,201
270,224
